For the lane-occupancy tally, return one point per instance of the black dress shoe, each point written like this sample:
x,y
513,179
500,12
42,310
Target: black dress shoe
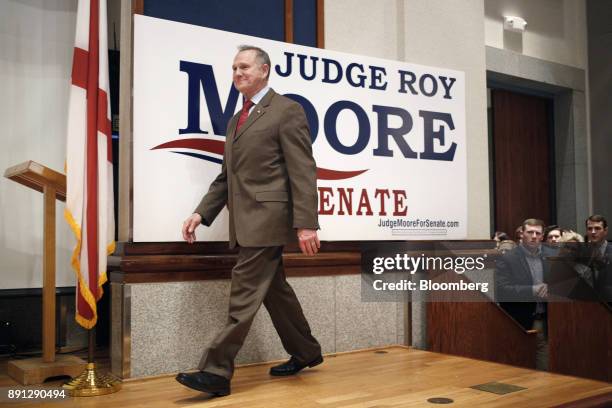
x,y
205,382
292,366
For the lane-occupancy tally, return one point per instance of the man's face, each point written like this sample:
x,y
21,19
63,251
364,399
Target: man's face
x,y
596,231
553,236
249,75
532,235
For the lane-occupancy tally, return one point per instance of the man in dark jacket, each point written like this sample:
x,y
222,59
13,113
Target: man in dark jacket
x,y
520,286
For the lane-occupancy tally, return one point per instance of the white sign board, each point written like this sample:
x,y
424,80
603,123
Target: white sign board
x,y
388,136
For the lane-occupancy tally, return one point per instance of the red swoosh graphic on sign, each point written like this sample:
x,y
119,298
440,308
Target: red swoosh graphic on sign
x,y
217,147
205,145
327,174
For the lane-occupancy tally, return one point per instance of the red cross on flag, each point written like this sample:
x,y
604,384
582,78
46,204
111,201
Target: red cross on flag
x,y
89,168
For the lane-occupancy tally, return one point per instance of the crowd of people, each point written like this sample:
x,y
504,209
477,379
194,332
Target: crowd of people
x,y
553,234
545,264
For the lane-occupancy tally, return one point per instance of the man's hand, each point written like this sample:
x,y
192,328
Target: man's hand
x,y
189,227
541,290
309,241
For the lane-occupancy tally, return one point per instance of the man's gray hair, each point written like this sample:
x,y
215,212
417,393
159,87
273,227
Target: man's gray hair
x,y
261,56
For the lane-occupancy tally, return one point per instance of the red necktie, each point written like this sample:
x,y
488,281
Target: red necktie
x,y
244,114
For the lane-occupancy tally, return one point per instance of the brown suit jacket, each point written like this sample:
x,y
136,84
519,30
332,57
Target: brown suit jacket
x,y
268,176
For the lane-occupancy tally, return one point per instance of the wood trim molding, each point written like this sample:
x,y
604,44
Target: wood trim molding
x,y
221,247
177,268
289,21
138,6
321,23
176,261
223,274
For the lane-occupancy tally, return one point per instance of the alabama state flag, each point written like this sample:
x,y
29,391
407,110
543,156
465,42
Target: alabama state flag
x,y
89,169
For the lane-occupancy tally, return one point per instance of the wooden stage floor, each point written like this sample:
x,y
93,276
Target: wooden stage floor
x,y
389,377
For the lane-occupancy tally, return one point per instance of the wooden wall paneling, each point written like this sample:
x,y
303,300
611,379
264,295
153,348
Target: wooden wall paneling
x,y
522,159
478,329
580,339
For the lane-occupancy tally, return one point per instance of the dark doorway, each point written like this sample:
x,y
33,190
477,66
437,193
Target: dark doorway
x,y
522,158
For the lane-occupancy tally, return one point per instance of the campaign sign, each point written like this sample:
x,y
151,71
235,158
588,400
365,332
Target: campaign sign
x,y
388,136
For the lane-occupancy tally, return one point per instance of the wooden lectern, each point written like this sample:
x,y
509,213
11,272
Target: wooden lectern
x,y
35,370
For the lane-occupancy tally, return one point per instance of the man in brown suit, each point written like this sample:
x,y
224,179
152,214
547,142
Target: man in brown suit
x,y
268,182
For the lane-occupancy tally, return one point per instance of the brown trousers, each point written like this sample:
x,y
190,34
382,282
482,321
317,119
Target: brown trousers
x,y
257,278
